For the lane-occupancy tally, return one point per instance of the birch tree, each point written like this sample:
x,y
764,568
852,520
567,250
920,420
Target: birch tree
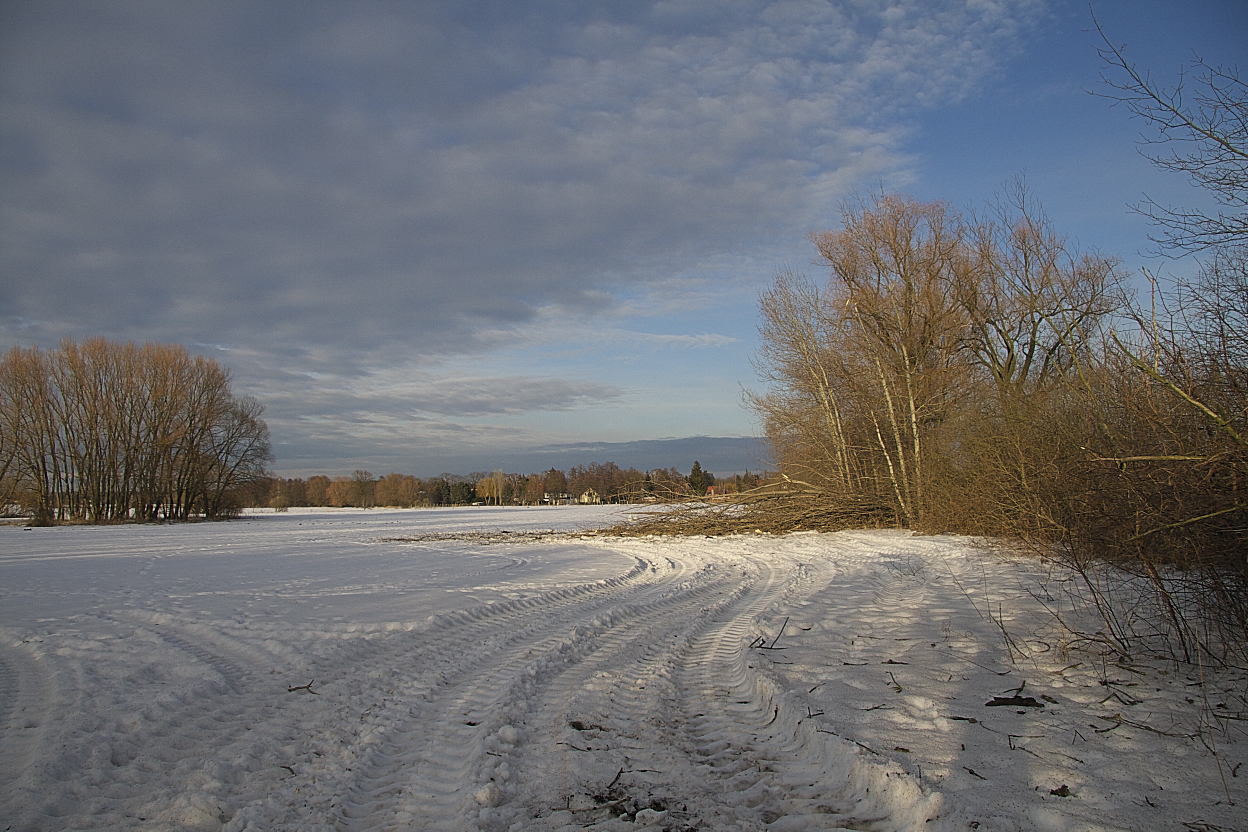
x,y
892,265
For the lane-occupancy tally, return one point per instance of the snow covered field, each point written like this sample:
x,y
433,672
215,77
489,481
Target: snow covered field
x,y
455,669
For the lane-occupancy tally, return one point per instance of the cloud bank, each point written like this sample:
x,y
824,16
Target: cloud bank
x,y
331,193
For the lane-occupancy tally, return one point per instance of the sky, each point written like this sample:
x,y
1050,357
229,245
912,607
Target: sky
x,y
457,236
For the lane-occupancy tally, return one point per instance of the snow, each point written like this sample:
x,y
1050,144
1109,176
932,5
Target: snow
x,y
469,669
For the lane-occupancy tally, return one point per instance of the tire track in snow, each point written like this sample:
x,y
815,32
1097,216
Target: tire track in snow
x,y
439,781
431,681
234,676
8,693
728,706
24,710
671,653
901,585
190,722
595,765
633,694
776,767
378,647
625,728
634,718
425,770
632,637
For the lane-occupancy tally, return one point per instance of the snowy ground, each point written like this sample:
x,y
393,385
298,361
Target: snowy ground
x,y
454,669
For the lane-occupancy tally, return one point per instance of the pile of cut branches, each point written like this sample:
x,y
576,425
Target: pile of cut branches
x,y
773,509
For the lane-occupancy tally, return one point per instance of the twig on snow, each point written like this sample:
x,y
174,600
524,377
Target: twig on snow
x,y
777,638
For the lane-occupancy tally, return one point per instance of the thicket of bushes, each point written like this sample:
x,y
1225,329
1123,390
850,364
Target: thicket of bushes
x,y
102,431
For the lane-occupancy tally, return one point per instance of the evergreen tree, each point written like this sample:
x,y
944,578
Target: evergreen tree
x,y
698,479
462,493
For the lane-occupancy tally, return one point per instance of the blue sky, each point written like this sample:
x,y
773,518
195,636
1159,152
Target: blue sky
x,y
455,235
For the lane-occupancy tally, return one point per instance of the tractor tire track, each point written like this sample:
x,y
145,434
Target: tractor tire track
x,y
413,755
636,699
24,709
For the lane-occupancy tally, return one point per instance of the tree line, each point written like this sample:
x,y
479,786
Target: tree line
x,y
596,482
104,431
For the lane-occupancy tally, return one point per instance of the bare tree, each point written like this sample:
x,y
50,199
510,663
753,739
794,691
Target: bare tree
x,y
802,412
363,489
554,483
240,454
932,370
338,493
499,480
534,490
318,490
892,264
1033,307
489,491
9,438
35,467
1180,451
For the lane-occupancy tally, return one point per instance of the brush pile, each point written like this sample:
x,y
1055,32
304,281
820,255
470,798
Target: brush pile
x,y
773,509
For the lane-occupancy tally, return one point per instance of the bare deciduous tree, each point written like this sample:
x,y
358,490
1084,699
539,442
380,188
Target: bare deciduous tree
x,y
489,490
398,490
1033,307
318,490
866,369
934,354
103,432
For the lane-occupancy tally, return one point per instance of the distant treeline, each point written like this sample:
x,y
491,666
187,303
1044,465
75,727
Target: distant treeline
x,y
105,432
595,483
102,431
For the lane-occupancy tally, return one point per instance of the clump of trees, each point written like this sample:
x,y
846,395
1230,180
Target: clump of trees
x,y
102,431
926,372
977,374
400,490
616,485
